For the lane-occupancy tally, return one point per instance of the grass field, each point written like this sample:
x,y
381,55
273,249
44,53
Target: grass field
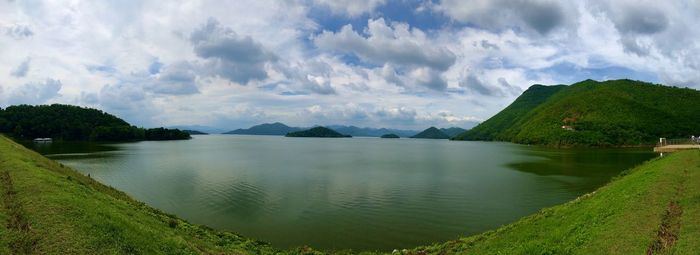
x,y
48,208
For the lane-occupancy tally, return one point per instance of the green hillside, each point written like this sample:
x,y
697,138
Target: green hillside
x,y
71,123
591,113
453,131
317,132
431,133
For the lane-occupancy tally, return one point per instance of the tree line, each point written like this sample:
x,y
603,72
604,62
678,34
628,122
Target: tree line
x,y
75,123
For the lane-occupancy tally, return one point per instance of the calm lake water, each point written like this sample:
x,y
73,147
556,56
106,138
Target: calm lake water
x,y
359,193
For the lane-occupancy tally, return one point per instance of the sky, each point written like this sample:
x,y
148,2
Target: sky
x,y
373,63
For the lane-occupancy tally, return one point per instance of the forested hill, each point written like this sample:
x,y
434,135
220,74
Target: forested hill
x,y
591,113
71,123
323,132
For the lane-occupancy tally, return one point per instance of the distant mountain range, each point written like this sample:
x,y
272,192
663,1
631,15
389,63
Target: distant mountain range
x,y
282,129
265,129
431,133
442,133
371,132
323,132
278,128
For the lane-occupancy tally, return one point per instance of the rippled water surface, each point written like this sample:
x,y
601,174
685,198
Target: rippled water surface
x,y
359,193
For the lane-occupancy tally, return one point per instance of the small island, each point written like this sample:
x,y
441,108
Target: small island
x,y
323,132
431,133
392,136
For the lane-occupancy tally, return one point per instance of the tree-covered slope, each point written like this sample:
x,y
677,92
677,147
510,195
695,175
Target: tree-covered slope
x,y
317,132
453,131
494,128
591,113
431,133
67,122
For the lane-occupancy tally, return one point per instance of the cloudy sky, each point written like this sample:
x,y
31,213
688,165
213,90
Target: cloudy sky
x,y
378,63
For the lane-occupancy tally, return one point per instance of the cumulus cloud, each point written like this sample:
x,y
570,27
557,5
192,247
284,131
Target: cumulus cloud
x,y
395,43
638,19
396,47
22,69
175,79
35,92
126,100
237,58
539,15
448,59
428,78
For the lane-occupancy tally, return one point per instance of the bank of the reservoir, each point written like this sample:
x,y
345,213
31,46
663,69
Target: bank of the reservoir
x,y
50,208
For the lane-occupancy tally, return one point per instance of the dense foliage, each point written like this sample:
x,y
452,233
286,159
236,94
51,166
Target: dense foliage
x,y
157,134
431,133
71,123
317,132
591,113
453,131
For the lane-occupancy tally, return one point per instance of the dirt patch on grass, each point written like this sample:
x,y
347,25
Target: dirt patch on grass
x,y
23,241
669,230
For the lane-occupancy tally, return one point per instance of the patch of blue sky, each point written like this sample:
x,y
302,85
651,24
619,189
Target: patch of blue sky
x,y
410,12
415,13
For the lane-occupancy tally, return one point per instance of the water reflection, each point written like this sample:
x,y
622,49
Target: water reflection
x,y
364,194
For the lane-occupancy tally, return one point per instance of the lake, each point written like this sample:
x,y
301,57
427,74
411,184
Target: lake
x,y
358,193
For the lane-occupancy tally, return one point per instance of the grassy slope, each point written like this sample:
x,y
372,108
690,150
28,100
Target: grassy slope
x,y
71,213
622,217
617,112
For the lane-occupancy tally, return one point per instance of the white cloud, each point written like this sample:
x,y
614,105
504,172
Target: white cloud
x,y
388,43
398,48
197,54
236,58
34,92
541,16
